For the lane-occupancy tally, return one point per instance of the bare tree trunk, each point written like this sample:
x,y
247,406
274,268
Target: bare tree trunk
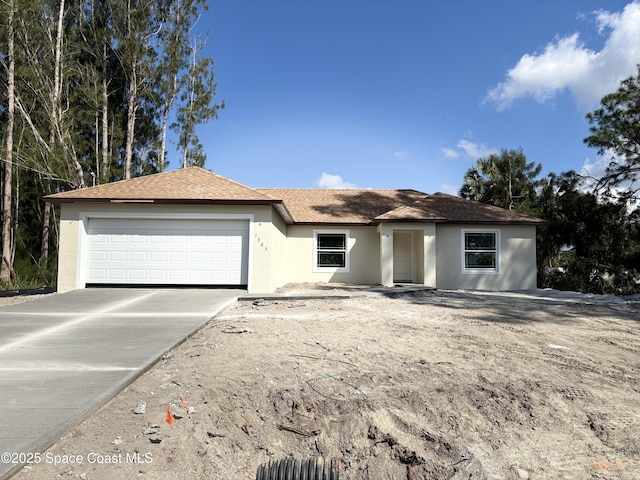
x,y
184,158
133,100
46,225
190,96
16,224
71,153
165,123
106,158
131,119
96,139
6,266
56,93
56,99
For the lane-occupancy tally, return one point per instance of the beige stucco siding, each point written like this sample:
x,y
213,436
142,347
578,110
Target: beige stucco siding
x,y
265,236
277,252
516,259
280,253
424,251
68,250
364,257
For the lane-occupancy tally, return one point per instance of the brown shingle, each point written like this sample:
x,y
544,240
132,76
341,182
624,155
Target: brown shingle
x,y
347,206
443,208
193,184
303,205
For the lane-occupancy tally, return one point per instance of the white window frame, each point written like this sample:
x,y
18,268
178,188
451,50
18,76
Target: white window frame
x,y
463,257
347,264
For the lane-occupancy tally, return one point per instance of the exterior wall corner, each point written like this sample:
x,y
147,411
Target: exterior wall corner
x,y
386,255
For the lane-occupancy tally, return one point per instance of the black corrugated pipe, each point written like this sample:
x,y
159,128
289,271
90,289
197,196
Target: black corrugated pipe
x,y
291,468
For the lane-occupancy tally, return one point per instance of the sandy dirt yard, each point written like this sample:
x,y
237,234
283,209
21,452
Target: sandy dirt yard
x,y
422,385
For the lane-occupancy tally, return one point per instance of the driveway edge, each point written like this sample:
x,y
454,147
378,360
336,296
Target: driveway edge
x,y
44,442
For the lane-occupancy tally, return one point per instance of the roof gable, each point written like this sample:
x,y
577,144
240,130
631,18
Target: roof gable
x,y
343,206
443,208
186,185
297,205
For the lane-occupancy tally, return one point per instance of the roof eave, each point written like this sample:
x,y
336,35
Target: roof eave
x,y
495,222
341,224
408,220
282,210
461,222
162,201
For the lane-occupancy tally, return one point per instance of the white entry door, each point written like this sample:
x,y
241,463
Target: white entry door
x,y
167,251
403,257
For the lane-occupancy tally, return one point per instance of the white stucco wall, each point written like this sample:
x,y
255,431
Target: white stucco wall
x,y
266,237
364,261
517,259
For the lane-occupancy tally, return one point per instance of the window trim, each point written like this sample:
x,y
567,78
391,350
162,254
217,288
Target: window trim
x,y
464,251
347,264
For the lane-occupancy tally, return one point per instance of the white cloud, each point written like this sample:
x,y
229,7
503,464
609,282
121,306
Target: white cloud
x,y
476,150
402,155
470,149
450,189
598,169
567,64
449,153
328,180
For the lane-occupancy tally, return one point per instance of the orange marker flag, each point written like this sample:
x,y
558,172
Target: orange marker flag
x,y
184,404
170,418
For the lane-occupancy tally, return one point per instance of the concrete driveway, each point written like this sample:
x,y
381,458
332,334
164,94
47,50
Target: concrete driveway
x,y
65,355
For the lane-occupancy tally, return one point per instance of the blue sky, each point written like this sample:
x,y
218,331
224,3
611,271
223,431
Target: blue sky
x,y
408,93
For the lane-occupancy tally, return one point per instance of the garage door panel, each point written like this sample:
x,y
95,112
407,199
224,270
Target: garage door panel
x,y
138,256
157,276
177,275
198,257
98,255
158,256
118,256
157,251
216,276
98,274
199,276
218,257
137,274
116,274
100,239
178,256
138,239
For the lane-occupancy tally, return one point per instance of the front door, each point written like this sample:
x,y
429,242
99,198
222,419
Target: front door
x,y
403,257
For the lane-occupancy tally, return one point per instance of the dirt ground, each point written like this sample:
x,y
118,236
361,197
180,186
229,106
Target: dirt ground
x,y
422,385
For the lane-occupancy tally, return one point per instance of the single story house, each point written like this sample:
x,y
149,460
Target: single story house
x,y
194,227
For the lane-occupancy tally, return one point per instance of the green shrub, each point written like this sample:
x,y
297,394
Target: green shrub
x,y
586,276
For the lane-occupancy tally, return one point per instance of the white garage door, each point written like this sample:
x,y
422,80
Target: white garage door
x,y
167,251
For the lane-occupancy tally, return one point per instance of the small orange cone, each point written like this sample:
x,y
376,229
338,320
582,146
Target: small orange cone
x,y
184,404
170,418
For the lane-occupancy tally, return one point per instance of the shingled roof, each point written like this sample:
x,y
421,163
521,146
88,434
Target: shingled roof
x,y
195,185
443,208
346,206
186,185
